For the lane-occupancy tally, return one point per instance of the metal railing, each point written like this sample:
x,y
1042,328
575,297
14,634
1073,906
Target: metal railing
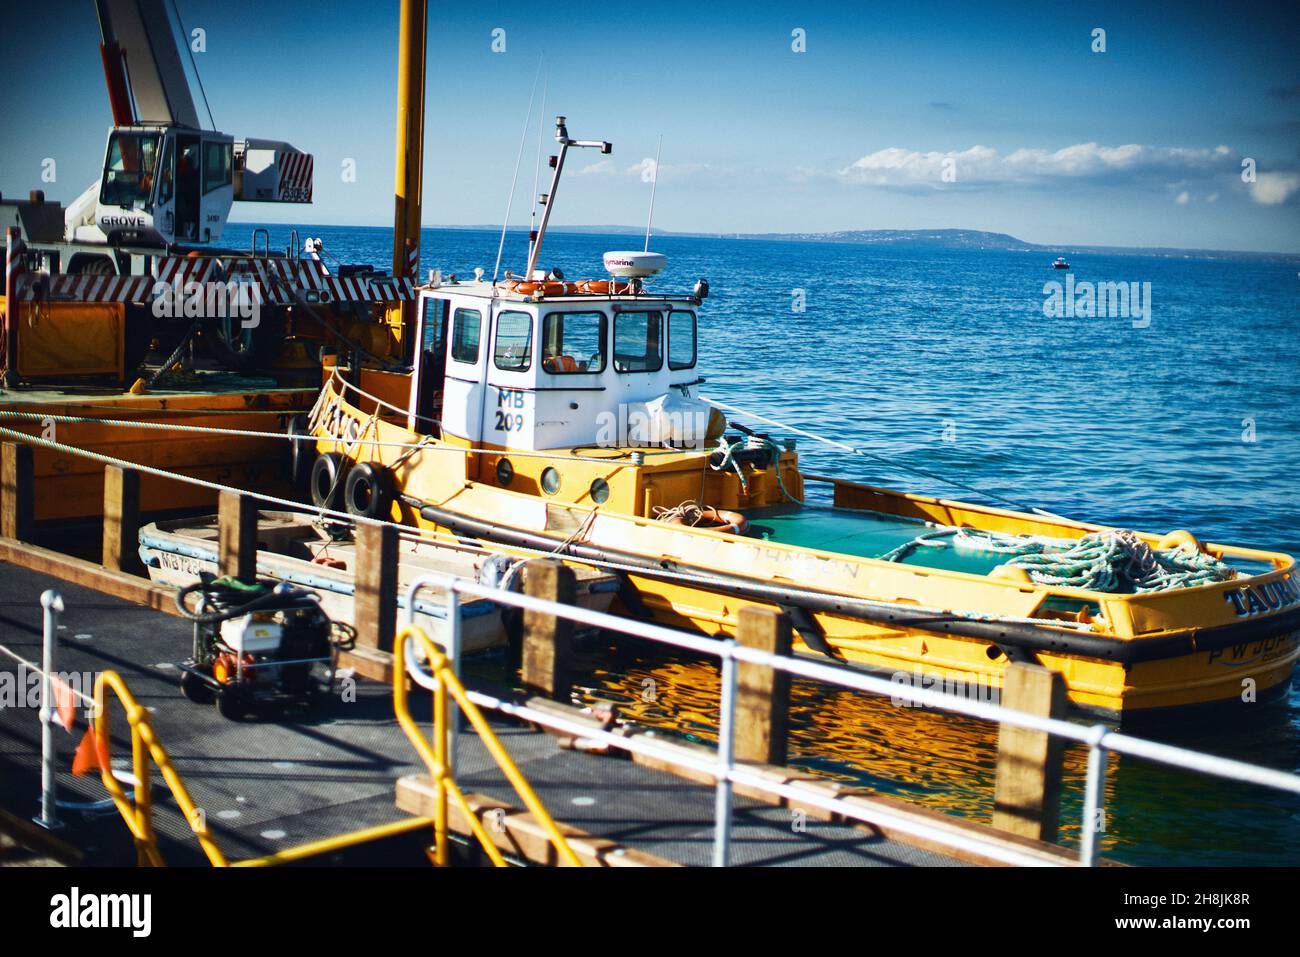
x,y
1099,739
445,685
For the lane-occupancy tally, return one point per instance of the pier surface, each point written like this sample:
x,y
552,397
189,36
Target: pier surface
x,y
268,784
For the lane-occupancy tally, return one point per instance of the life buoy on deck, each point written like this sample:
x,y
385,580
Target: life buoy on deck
x,y
327,479
549,287
368,491
723,520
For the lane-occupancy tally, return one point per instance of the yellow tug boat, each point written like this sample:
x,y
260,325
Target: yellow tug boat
x,y
542,414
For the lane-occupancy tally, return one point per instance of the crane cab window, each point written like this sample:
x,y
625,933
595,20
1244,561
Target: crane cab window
x,y
681,339
638,341
217,161
573,342
129,172
514,350
465,329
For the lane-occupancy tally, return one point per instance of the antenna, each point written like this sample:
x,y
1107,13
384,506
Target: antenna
x,y
537,172
557,163
654,185
523,138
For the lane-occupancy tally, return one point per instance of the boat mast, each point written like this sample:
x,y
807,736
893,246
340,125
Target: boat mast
x,y
548,199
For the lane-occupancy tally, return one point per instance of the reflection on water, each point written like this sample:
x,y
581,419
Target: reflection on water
x,y
1154,815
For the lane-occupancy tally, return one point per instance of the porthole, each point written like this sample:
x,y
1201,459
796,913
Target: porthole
x,y
505,472
550,480
600,491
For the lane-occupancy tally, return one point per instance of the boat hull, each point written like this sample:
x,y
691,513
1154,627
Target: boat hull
x,y
1237,665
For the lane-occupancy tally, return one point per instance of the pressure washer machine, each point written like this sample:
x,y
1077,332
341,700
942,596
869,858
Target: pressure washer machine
x,y
256,645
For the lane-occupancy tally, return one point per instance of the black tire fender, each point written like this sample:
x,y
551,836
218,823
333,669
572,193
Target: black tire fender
x,y
328,475
368,491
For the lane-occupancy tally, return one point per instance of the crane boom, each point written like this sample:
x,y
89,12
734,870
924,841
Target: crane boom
x,y
141,34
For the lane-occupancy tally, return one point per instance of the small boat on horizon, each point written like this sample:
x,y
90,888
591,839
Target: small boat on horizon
x,y
1060,263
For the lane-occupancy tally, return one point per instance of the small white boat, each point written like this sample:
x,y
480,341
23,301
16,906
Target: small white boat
x,y
294,547
1060,263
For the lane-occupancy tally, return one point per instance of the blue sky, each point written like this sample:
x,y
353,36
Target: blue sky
x,y
1049,141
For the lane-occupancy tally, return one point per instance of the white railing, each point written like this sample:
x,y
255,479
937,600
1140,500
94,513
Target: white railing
x,y
1099,739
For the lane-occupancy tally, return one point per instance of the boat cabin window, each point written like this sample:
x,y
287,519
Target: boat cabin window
x,y
573,342
681,339
465,328
638,341
514,350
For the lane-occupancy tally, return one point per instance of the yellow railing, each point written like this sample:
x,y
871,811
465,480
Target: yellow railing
x,y
138,813
435,755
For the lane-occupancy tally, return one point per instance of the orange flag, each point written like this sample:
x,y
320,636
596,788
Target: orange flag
x,y
91,755
65,703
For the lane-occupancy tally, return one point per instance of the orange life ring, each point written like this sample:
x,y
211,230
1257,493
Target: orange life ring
x,y
547,288
733,523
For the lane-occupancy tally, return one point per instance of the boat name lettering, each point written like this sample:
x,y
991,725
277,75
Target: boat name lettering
x,y
1250,600
1267,649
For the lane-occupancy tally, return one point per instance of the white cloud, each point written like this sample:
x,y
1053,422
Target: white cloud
x,y
1270,189
1183,198
983,165
643,170
600,168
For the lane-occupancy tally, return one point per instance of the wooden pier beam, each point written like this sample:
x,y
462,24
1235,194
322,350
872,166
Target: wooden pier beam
x,y
17,491
375,598
548,640
763,694
122,520
237,536
1027,795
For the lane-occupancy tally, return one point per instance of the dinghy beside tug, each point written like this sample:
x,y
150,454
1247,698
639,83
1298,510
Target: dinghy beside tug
x,y
321,556
540,414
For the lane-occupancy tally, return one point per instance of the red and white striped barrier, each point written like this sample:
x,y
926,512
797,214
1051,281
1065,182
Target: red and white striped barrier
x,y
281,281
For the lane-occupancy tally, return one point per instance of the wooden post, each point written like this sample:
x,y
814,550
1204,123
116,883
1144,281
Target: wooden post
x,y
763,694
122,520
1028,792
237,536
548,640
17,491
375,600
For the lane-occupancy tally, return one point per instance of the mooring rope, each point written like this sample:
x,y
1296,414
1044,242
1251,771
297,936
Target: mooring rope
x,y
729,460
854,450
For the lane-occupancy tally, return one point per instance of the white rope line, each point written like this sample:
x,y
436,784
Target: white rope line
x,y
412,447
853,450
49,676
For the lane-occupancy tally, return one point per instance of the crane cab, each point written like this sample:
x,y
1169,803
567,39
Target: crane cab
x,y
165,184
175,185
